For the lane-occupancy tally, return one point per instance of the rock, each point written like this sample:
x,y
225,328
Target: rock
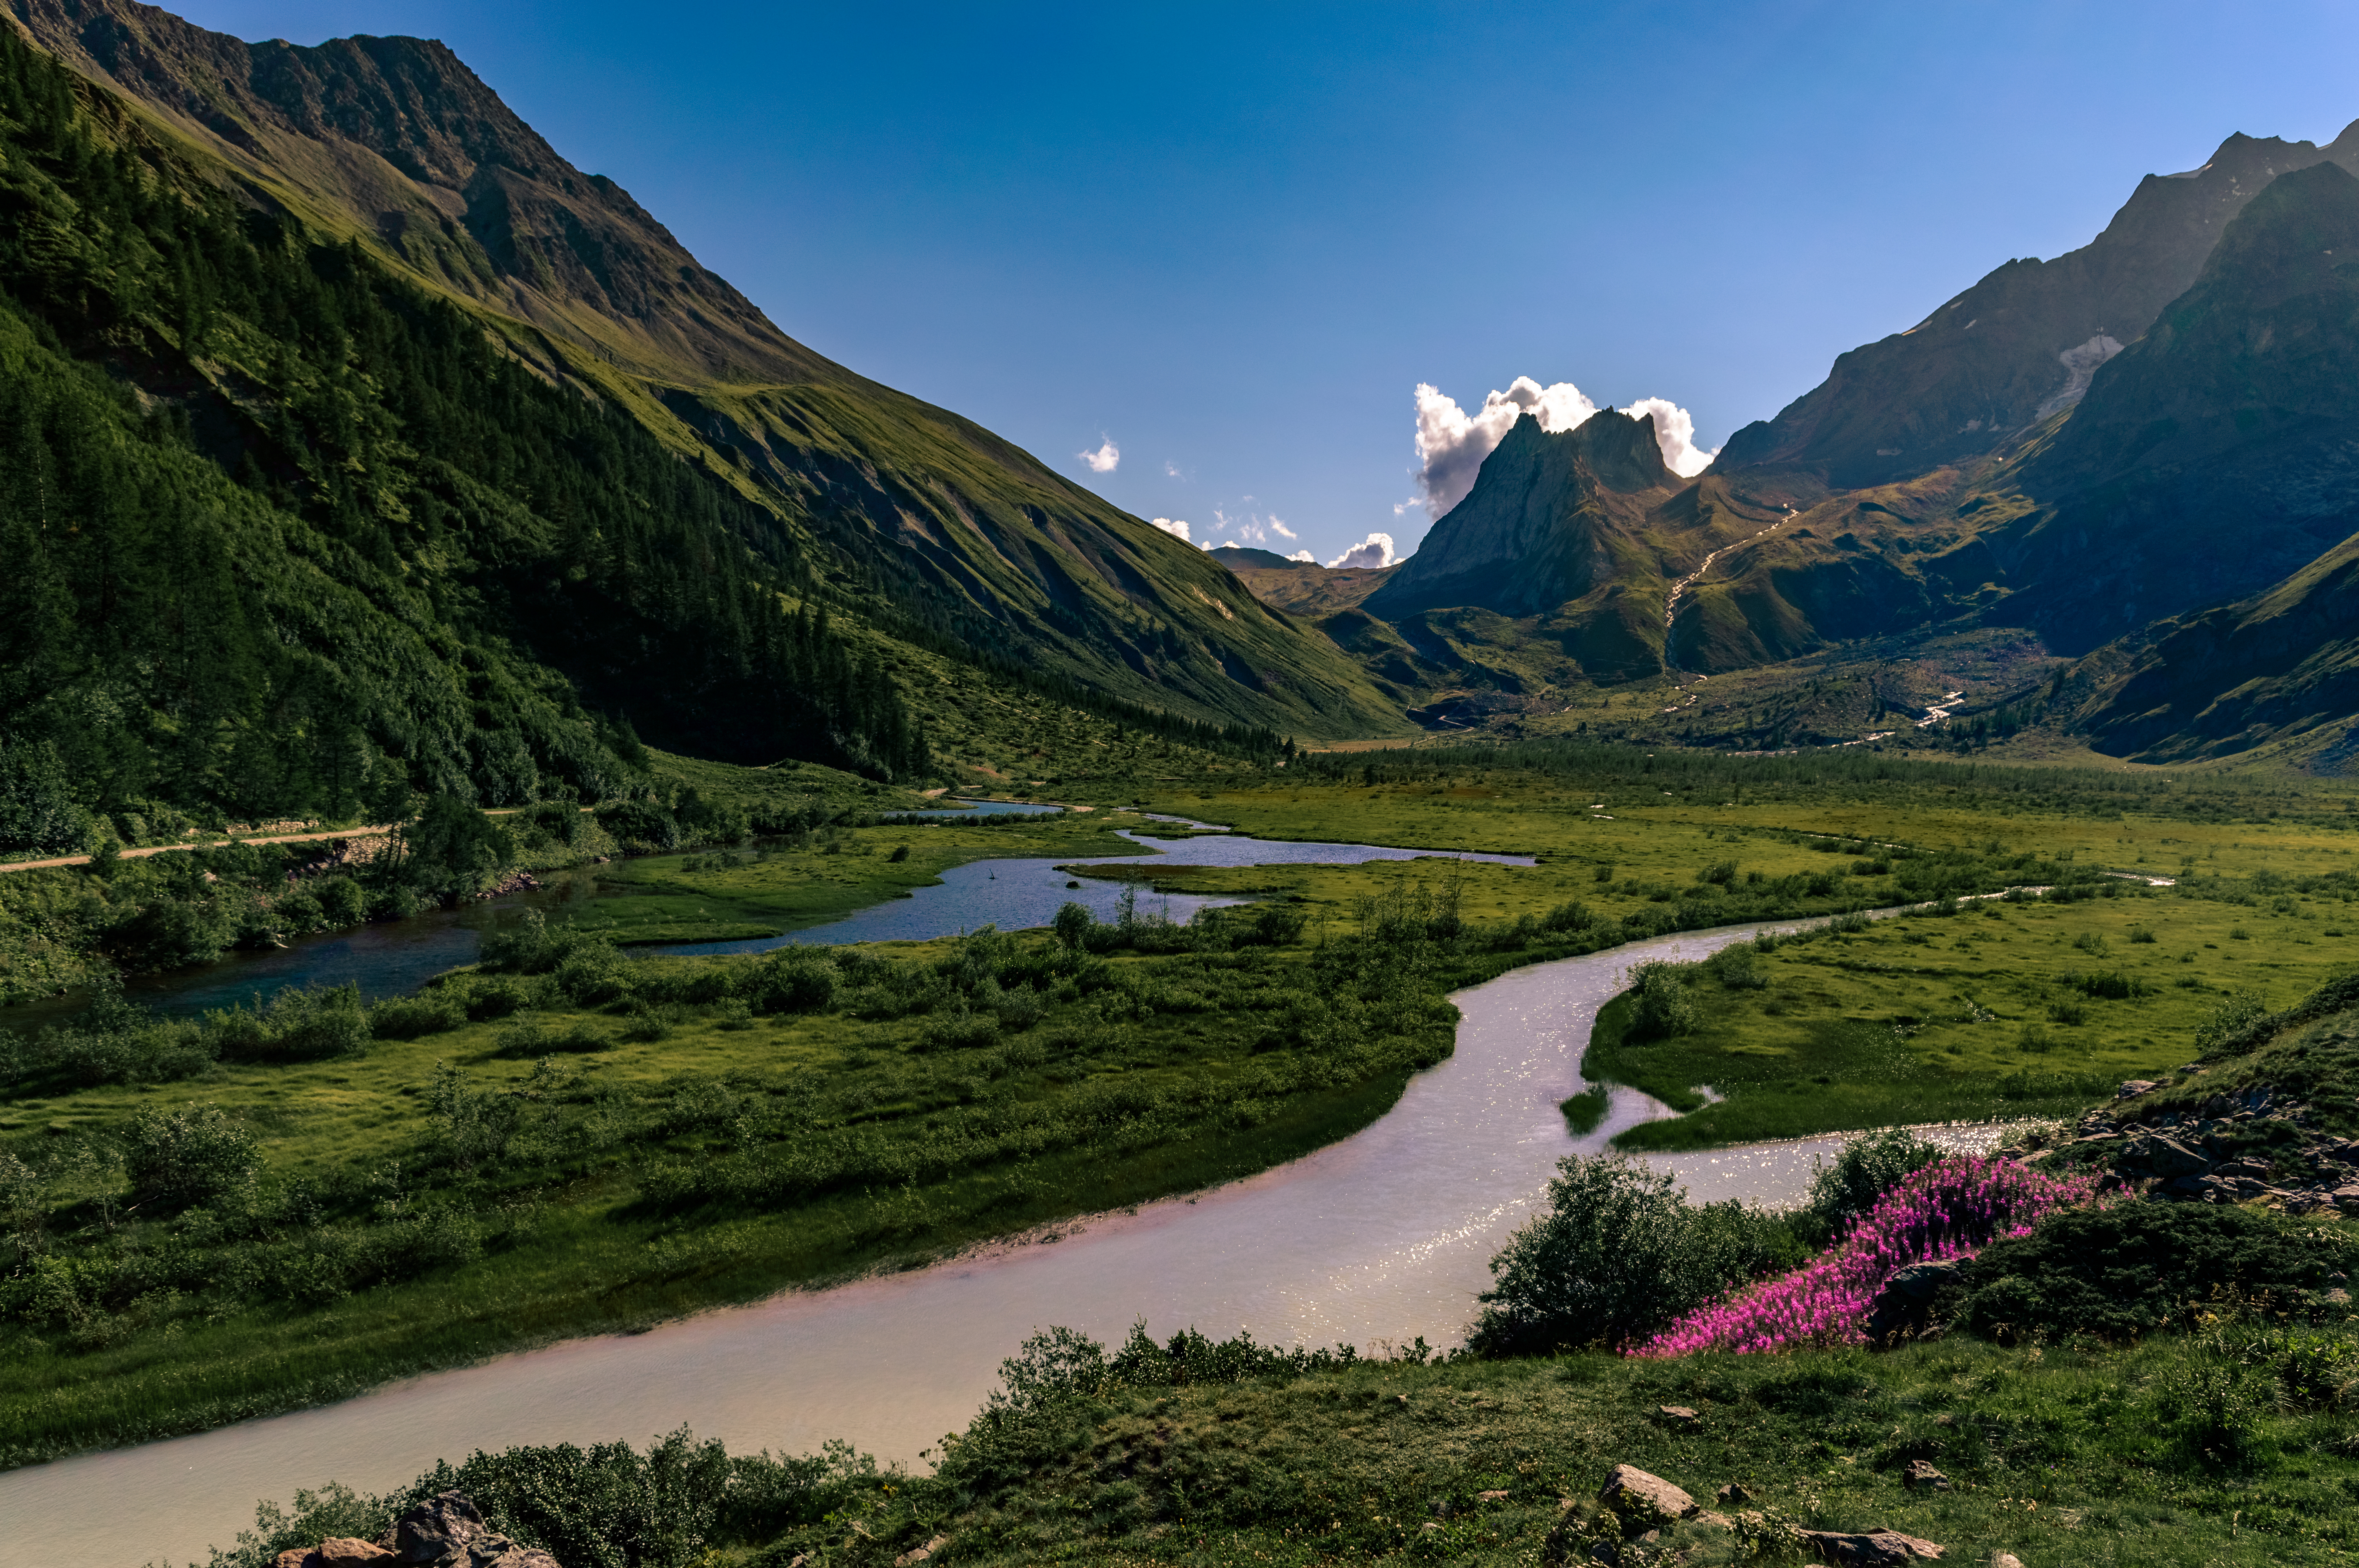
x,y
1920,1476
448,1531
1679,1415
1640,1498
1716,1521
437,1529
344,1552
1735,1495
1906,1301
2133,1088
1491,1496
298,1557
1873,1549
2006,1560
2167,1156
925,1554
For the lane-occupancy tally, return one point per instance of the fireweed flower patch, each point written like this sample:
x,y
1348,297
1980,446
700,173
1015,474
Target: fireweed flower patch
x,y
1950,1209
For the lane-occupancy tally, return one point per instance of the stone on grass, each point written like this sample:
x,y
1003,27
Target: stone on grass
x,y
437,1529
1679,1415
1920,1476
2006,1560
1868,1548
922,1554
1735,1493
1639,1498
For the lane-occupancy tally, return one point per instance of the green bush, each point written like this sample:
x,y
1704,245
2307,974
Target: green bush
x,y
2134,1268
188,1156
430,1011
605,1507
1619,1254
1869,1166
958,1031
1662,1004
306,1024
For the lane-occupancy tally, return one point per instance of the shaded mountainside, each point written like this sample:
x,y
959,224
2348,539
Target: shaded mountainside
x,y
944,528
2024,341
287,535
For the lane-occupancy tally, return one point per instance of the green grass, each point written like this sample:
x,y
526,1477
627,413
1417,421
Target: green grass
x,y
1983,1014
2059,1453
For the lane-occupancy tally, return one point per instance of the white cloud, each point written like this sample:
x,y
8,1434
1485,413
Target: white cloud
x,y
1102,461
1377,551
1253,528
1452,443
1675,433
1302,555
1176,529
1173,469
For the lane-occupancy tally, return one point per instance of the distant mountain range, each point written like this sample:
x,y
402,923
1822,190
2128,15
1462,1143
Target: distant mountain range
x,y
2138,456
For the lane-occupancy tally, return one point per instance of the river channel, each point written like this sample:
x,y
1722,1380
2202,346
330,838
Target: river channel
x,y
1378,1240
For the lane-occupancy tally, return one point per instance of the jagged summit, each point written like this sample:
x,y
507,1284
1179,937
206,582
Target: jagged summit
x,y
2023,343
1539,526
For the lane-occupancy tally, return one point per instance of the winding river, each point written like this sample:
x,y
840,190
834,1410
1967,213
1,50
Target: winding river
x,y
1379,1238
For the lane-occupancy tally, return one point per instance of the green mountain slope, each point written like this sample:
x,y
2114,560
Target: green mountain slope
x,y
942,527
288,536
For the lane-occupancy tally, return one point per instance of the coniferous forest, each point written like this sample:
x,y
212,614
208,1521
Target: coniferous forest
x,y
285,535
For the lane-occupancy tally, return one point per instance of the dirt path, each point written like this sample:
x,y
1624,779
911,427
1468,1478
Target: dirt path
x,y
375,832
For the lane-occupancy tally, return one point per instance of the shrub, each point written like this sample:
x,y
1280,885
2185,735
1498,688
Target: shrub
x,y
794,979
1872,1164
1573,916
958,1031
1661,1003
306,1024
1618,1255
1944,1210
430,1011
1737,967
2133,1268
604,1507
187,1156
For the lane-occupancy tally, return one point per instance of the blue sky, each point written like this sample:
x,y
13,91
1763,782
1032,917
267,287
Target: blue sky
x,y
1233,240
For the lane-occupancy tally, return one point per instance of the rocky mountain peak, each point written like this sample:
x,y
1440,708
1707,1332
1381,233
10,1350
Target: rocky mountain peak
x,y
395,139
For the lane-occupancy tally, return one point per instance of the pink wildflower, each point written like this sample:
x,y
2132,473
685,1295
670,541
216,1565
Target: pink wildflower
x,y
1951,1209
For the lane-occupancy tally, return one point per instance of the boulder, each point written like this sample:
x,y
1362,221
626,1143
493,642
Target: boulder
x,y
1679,1415
1906,1301
448,1531
1921,1476
296,1557
1737,1494
2006,1560
925,1554
437,1529
1872,1548
1640,1499
344,1552
2168,1157
2133,1088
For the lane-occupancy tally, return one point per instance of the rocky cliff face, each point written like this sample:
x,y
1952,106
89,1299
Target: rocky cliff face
x,y
2025,343
2218,454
